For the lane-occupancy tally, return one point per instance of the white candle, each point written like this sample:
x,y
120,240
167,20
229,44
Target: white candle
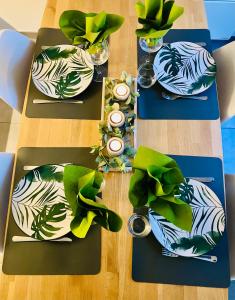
x,y
115,146
121,91
116,118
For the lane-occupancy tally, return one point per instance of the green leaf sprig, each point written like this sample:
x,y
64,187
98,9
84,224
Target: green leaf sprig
x,y
88,29
155,183
157,17
82,186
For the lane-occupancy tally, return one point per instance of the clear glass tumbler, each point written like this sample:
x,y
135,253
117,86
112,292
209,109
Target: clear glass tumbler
x,y
138,225
147,75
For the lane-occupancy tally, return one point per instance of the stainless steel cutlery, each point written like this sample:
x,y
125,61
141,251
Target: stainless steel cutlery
x,y
175,97
209,258
17,238
41,101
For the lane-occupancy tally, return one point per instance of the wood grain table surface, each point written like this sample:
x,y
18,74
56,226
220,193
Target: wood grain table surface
x,y
173,137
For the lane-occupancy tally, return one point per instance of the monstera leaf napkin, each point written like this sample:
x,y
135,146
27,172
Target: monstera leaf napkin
x,y
157,17
81,187
155,183
88,29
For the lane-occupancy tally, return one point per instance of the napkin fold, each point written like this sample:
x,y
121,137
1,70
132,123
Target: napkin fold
x,y
155,183
81,186
88,29
157,17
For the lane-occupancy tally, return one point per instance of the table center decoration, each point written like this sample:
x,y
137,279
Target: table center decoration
x,y
62,71
155,183
126,129
156,17
82,186
185,68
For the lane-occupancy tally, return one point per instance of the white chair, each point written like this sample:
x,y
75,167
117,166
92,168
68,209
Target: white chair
x,y
225,61
16,52
6,167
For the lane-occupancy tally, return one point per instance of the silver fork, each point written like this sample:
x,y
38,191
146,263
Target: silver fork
x,y
209,258
173,97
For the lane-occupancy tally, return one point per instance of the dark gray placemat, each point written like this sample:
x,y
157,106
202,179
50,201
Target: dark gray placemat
x,y
149,265
151,105
80,257
92,96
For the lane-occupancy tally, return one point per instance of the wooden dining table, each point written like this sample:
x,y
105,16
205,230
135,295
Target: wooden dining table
x,y
191,137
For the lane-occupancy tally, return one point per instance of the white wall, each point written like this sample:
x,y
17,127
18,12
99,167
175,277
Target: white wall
x,y
23,15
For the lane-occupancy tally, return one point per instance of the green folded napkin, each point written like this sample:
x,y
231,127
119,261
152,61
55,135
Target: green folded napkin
x,y
81,186
157,17
88,29
155,183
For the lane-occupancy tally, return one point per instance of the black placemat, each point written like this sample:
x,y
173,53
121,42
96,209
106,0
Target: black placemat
x,y
151,105
81,256
149,265
92,96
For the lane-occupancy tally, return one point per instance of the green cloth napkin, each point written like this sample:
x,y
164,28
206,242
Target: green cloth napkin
x,y
81,186
155,183
88,29
157,17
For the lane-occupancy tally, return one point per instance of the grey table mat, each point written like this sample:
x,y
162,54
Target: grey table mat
x,y
151,105
92,96
149,265
80,257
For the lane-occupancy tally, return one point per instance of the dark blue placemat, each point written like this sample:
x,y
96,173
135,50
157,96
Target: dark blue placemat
x,y
149,265
151,105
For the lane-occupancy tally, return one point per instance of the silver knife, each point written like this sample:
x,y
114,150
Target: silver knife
x,y
17,239
203,179
41,101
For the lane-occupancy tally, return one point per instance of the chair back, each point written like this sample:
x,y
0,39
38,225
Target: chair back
x,y
16,52
6,168
225,61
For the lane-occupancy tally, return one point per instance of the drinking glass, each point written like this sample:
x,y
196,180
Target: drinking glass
x,y
138,225
150,45
98,56
147,75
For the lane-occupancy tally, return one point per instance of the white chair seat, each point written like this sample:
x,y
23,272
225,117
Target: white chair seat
x,y
6,167
16,52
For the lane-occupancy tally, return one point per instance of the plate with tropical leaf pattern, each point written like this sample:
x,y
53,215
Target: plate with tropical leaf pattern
x,y
185,68
208,222
62,71
39,206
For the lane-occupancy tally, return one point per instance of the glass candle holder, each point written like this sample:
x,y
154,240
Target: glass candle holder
x,y
139,226
116,118
115,146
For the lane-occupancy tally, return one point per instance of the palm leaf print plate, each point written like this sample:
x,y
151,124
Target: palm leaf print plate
x,y
39,206
208,222
62,71
185,68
